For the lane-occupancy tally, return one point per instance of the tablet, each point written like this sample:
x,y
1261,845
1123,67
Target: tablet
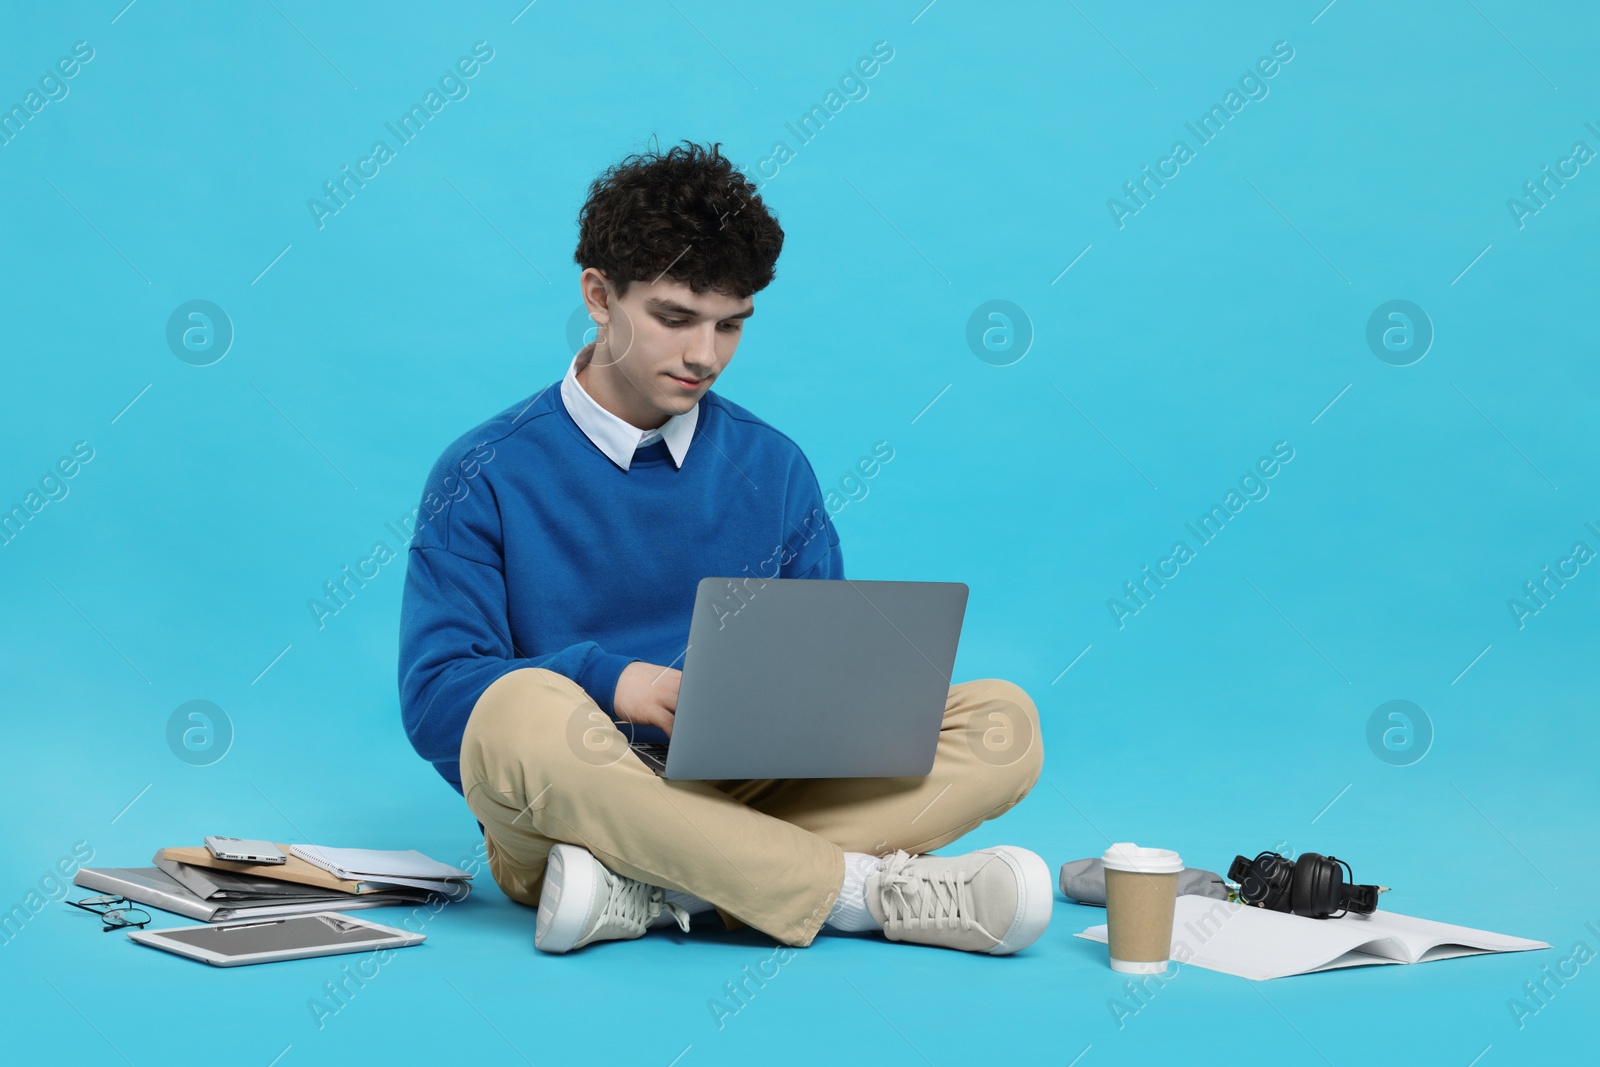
x,y
324,933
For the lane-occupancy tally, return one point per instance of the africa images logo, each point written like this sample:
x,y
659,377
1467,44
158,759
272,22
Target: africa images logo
x,y
1205,129
452,87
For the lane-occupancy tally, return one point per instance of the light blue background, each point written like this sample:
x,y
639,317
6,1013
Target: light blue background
x,y
1228,715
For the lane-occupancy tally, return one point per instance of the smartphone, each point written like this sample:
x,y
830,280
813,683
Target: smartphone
x,y
242,850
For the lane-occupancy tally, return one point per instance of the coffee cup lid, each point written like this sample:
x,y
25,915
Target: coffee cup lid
x,y
1127,856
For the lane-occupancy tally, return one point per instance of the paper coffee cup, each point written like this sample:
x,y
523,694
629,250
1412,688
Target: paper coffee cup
x,y
1141,894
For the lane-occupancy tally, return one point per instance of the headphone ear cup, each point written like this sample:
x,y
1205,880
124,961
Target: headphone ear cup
x,y
1315,890
1277,876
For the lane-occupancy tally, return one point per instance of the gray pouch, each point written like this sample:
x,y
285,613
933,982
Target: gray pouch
x,y
1084,881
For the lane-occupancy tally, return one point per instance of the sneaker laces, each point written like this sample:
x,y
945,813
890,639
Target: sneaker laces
x,y
929,899
630,907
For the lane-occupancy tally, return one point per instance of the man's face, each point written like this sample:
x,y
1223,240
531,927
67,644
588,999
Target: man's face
x,y
664,345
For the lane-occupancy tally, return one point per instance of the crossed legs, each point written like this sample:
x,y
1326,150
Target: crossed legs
x,y
541,764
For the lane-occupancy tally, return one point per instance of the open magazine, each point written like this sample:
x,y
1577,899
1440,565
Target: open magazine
x,y
1259,944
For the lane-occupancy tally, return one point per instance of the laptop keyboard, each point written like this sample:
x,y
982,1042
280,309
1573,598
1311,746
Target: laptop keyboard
x,y
654,755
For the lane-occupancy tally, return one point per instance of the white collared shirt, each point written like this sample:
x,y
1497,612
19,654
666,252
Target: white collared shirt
x,y
617,437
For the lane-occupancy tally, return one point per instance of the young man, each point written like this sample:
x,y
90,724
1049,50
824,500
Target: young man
x,y
548,597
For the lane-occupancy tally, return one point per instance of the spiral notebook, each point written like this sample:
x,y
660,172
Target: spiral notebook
x,y
153,887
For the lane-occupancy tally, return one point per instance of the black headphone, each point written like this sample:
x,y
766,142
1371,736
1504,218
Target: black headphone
x,y
1313,885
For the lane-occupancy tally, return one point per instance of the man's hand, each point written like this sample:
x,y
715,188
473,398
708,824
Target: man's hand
x,y
647,693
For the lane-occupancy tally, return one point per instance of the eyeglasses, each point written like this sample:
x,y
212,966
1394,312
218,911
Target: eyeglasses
x,y
114,917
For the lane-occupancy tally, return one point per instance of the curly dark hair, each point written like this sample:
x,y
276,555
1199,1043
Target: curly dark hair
x,y
687,212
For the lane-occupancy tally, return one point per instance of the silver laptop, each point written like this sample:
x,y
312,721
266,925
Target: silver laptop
x,y
813,678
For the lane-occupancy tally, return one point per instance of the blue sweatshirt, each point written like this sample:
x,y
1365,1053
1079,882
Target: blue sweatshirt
x,y
533,549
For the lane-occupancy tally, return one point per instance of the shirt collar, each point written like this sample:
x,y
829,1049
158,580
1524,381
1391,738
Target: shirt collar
x,y
617,437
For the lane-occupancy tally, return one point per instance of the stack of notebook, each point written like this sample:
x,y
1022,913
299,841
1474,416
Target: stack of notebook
x,y
191,882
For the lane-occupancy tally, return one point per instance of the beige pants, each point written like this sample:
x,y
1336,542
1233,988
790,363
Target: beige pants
x,y
541,764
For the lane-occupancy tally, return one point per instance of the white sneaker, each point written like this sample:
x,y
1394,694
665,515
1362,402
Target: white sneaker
x,y
996,900
583,901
